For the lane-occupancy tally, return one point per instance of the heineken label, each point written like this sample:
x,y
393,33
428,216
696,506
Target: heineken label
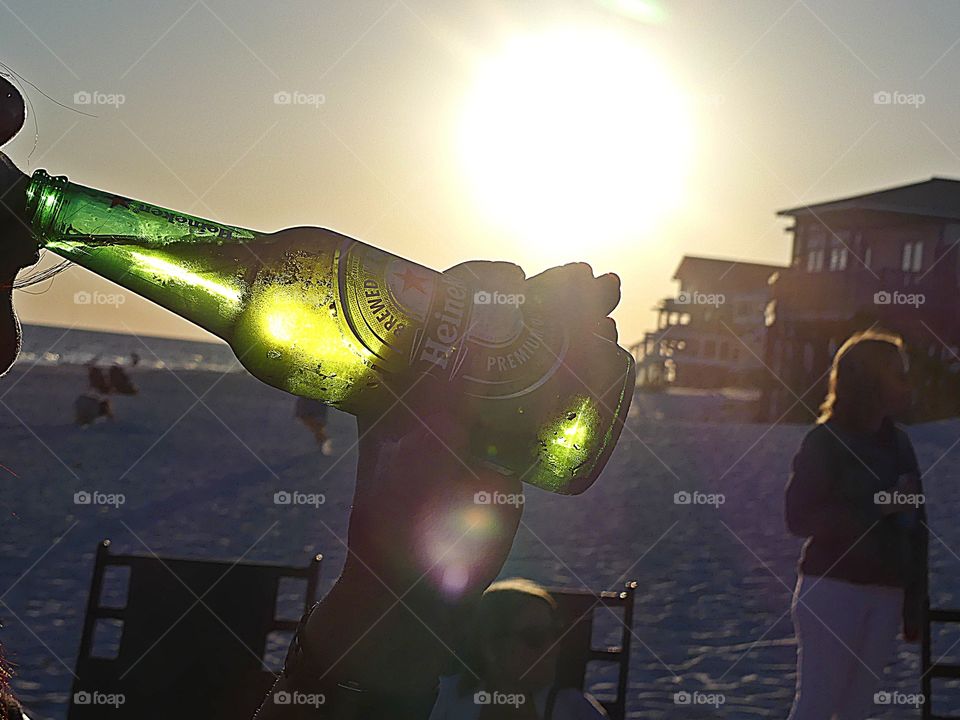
x,y
172,224
517,362
383,299
441,344
409,316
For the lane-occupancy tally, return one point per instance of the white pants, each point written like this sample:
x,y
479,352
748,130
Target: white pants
x,y
846,635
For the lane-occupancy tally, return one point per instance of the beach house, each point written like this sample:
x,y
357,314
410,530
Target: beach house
x,y
711,333
886,259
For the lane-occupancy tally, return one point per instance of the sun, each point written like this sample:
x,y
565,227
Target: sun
x,y
574,140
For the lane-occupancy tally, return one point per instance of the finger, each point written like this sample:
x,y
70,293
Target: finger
x,y
495,273
608,296
573,292
556,278
607,329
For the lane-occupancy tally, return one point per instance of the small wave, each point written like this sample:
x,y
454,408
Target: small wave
x,y
47,345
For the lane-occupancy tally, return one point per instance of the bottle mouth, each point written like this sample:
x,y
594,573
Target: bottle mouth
x,y
44,199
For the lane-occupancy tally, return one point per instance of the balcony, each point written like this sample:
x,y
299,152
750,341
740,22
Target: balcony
x,y
803,296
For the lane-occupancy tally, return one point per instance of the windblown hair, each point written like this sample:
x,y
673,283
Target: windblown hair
x,y
498,605
855,375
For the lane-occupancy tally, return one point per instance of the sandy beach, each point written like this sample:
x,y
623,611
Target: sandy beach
x,y
199,454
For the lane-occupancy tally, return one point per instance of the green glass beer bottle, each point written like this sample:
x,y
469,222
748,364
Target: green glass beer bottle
x,y
325,316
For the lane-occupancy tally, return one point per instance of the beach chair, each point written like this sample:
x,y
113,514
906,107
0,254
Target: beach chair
x,y
577,609
935,669
173,656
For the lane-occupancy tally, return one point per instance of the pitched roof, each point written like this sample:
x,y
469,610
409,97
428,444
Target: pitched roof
x,y
735,272
936,197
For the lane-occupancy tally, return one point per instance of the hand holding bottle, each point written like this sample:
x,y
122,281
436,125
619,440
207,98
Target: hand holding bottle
x,y
574,293
429,522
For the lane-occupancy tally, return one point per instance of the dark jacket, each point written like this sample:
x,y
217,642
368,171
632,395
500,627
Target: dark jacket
x,y
831,500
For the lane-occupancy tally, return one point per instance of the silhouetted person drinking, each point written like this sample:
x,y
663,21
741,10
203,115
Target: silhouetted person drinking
x,y
855,495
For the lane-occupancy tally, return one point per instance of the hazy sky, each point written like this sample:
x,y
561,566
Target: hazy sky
x,y
781,111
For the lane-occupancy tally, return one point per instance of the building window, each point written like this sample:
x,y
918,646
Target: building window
x,y
838,259
839,244
815,248
912,260
709,348
867,256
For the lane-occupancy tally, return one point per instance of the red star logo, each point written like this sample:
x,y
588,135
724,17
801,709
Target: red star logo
x,y
411,279
116,200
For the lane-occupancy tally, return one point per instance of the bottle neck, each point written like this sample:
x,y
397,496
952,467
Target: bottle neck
x,y
197,268
59,210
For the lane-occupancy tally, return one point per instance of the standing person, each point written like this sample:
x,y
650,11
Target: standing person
x,y
512,647
855,495
313,414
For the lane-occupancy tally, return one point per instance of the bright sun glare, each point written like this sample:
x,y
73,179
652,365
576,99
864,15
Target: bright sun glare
x,y
575,140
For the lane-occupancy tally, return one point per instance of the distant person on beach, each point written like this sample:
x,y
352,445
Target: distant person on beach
x,y
420,549
512,648
120,382
96,378
115,380
89,408
313,414
855,495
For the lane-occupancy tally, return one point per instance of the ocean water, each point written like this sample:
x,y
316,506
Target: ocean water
x,y
48,345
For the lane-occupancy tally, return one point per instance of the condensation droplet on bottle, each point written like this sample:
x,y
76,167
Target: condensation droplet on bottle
x,y
274,354
571,416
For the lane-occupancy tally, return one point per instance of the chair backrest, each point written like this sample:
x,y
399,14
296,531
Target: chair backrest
x,y
192,638
931,669
577,609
